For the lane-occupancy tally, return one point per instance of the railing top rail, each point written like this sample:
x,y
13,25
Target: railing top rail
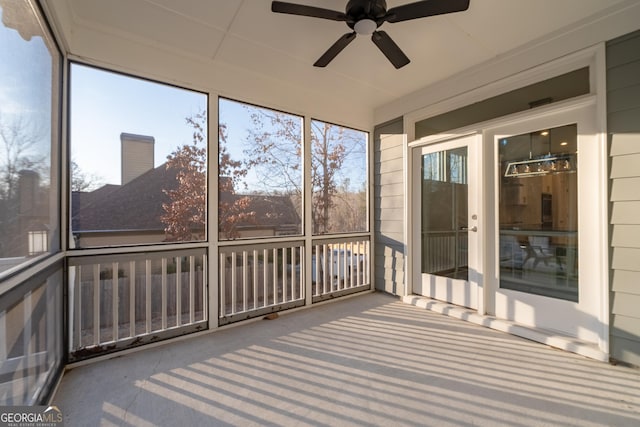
x,y
341,239
262,246
135,256
130,249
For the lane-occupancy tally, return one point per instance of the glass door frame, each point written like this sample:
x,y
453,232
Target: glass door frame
x,y
593,306
588,318
473,140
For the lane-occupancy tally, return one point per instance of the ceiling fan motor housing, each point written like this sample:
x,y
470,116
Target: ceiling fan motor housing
x,y
358,10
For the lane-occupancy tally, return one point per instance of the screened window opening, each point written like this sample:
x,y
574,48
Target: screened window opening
x,y
539,213
339,179
29,138
138,160
260,172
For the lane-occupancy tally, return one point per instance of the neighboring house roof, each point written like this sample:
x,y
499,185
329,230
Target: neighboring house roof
x,y
270,210
86,198
137,205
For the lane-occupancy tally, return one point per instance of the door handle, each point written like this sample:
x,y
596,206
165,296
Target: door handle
x,y
474,229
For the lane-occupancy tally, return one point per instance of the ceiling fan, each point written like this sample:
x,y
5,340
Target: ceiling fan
x,y
366,16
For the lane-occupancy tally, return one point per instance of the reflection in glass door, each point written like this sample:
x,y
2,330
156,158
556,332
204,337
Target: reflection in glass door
x,y
539,213
445,233
445,237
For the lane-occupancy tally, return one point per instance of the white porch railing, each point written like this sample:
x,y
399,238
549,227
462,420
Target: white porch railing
x,y
259,279
444,251
118,301
263,278
340,266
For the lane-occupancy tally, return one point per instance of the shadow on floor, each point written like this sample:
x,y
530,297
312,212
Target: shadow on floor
x,y
367,360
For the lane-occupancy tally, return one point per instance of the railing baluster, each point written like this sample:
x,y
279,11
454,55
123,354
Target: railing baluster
x,y
255,279
331,265
275,276
114,304
78,306
223,283
351,269
132,298
265,277
320,272
233,281
27,329
147,283
27,338
326,274
163,263
293,273
245,279
357,256
345,267
178,291
368,258
96,304
205,275
285,275
192,289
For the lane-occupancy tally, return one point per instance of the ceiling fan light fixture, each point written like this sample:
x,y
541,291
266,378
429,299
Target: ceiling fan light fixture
x,y
364,17
365,27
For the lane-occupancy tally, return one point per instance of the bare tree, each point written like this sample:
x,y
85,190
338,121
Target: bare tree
x,y
275,153
83,181
185,214
19,138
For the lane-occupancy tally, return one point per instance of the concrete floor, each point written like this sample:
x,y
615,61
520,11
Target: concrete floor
x,y
367,360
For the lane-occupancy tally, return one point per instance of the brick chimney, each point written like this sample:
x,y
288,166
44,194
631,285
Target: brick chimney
x,y
136,156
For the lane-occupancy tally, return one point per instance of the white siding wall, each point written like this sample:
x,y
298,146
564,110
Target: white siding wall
x,y
623,108
389,208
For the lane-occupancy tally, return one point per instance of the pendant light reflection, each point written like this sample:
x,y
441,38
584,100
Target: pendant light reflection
x,y
541,165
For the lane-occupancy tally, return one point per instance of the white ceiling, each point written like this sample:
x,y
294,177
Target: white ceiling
x,y
215,38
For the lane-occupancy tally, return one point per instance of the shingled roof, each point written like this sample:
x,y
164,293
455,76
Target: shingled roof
x,y
137,205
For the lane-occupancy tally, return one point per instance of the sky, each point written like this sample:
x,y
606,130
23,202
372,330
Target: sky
x,y
25,86
104,104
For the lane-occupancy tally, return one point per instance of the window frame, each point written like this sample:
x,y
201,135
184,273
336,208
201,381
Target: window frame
x,y
55,242
367,175
142,246
303,181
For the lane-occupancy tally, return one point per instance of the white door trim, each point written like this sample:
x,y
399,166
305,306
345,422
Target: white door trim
x,y
592,197
413,219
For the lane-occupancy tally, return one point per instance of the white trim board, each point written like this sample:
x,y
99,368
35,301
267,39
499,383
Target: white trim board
x,y
550,338
611,23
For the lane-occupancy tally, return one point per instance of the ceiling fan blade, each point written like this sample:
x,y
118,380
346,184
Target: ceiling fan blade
x,y
302,10
335,49
423,9
390,49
